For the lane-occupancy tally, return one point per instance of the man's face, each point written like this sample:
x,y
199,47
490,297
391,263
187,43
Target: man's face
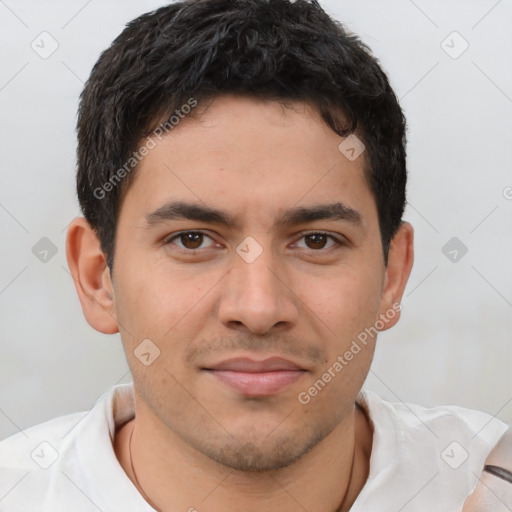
x,y
262,281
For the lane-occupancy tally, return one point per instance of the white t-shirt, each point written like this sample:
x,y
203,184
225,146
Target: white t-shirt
x,y
422,459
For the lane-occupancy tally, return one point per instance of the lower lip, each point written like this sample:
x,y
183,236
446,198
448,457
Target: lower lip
x,y
258,384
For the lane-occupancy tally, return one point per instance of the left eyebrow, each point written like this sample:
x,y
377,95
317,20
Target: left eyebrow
x,y
334,211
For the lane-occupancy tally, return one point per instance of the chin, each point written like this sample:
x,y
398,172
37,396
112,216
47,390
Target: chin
x,y
264,453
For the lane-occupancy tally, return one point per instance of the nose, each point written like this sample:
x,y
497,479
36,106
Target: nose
x,y
256,298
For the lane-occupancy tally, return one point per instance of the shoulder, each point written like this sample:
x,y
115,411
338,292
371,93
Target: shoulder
x,y
440,450
27,458
34,445
48,463
438,420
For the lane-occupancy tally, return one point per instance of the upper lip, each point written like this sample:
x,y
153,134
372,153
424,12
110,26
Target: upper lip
x,y
248,365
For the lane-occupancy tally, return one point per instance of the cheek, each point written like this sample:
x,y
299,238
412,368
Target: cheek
x,y
160,305
346,299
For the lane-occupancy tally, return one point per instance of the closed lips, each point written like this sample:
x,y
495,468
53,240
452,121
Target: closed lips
x,y
246,365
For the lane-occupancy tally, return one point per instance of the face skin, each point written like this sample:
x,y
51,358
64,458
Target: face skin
x,y
301,298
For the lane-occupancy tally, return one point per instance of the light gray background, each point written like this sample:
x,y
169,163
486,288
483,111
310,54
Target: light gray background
x,y
453,343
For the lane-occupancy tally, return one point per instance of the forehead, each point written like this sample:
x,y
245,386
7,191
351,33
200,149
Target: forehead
x,y
251,157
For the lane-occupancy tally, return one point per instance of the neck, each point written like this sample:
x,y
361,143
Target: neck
x,y
170,475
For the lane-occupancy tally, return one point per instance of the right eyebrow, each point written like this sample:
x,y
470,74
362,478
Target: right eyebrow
x,y
192,211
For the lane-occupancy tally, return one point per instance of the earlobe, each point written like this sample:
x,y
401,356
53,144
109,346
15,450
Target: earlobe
x,y
91,276
400,261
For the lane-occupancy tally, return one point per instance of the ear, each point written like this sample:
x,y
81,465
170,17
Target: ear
x,y
91,275
398,270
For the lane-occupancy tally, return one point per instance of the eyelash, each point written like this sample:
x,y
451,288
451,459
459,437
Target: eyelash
x,y
171,238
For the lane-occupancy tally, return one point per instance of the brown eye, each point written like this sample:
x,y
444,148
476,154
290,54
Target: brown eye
x,y
316,240
191,240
